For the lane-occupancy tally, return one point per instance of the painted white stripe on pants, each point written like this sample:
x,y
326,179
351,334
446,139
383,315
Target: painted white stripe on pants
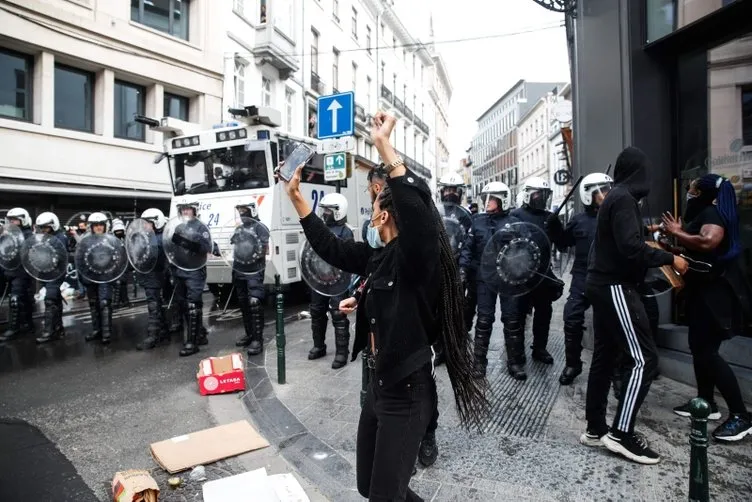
x,y
635,379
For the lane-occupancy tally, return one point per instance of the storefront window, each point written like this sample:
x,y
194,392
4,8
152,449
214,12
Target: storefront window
x,y
665,16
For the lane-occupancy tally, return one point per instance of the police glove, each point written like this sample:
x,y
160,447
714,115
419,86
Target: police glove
x,y
553,223
463,277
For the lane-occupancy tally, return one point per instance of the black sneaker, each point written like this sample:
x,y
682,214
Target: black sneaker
x,y
632,446
592,439
429,451
683,411
734,428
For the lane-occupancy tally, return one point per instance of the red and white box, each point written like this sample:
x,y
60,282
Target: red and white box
x,y
218,375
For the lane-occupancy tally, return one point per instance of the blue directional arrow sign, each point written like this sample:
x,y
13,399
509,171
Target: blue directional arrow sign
x,y
336,115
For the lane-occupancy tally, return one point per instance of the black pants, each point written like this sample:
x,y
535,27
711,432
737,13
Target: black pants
x,y
471,300
711,370
622,334
540,300
392,423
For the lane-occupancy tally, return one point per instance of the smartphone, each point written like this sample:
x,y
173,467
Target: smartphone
x,y
301,155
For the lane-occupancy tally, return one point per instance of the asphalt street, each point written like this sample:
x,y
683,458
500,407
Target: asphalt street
x,y
103,406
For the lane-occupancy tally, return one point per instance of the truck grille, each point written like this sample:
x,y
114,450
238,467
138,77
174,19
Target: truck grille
x,y
290,255
292,238
292,272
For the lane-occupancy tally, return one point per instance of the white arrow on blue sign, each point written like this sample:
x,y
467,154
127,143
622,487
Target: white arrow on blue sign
x,y
336,115
335,167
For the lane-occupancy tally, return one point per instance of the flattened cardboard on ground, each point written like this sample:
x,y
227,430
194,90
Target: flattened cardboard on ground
x,y
206,446
255,486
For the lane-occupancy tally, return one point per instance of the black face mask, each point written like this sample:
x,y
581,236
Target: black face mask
x,y
452,197
328,218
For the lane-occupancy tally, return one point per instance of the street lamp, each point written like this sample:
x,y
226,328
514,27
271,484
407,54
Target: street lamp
x,y
563,6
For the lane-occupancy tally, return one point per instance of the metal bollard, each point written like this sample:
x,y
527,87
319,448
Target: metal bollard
x,y
698,459
281,342
364,386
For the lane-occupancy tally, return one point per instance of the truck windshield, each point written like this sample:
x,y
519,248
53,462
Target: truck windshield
x,y
241,167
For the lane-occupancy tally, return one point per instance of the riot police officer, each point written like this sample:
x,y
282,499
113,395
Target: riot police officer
x,y
49,223
536,195
250,290
19,284
334,213
497,201
99,294
152,282
579,232
120,287
190,284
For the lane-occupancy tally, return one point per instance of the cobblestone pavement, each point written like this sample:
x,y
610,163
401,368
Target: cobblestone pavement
x,y
529,449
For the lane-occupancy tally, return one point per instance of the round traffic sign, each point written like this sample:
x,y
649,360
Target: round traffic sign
x,y
562,177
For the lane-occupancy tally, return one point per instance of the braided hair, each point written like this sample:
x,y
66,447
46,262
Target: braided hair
x,y
721,190
469,392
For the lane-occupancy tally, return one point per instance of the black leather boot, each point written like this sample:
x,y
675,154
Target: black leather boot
x,y
190,334
573,350
125,302
14,320
514,340
341,340
483,328
245,310
53,322
257,328
203,333
27,314
106,310
153,327
318,332
96,321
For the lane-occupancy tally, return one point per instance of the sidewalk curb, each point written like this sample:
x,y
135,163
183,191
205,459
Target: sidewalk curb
x,y
323,466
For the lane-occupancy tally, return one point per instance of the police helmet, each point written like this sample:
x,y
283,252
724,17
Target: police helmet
x,y
591,183
155,216
499,191
536,192
337,203
48,219
20,214
451,187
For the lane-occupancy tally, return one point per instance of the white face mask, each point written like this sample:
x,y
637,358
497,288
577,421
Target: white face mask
x,y
373,237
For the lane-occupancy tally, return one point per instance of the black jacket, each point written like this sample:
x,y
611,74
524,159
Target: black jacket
x,y
579,232
154,279
619,254
483,227
403,287
342,231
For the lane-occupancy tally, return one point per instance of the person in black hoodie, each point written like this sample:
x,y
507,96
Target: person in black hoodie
x,y
618,261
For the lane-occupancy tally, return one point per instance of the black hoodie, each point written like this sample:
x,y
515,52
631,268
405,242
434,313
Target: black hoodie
x,y
619,254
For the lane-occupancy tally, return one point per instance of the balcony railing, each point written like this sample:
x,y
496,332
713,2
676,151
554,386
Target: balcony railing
x,y
274,48
360,113
399,105
386,94
415,166
421,125
408,113
316,84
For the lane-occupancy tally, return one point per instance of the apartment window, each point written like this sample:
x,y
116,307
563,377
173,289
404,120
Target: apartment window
x,y
289,100
368,94
314,51
74,104
266,92
747,115
262,11
335,10
239,83
129,101
368,39
15,85
355,23
354,76
169,16
335,68
176,106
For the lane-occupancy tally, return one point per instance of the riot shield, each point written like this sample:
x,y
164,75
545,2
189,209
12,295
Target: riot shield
x,y
141,246
187,242
320,276
243,244
44,257
100,258
515,259
457,222
11,241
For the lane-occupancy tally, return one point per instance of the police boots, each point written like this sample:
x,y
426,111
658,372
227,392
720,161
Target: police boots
x,y
245,310
154,327
191,333
14,320
125,302
105,309
514,340
53,322
318,332
540,341
96,321
257,327
483,328
341,339
573,350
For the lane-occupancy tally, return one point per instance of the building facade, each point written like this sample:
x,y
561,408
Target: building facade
x,y
534,148
560,122
494,149
74,73
673,78
441,96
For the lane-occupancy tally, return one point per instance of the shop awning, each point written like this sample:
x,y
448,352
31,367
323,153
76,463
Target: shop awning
x,y
49,187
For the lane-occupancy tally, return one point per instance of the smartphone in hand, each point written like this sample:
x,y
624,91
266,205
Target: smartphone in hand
x,y
301,155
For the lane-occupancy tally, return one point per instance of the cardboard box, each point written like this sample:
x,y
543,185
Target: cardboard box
x,y
206,446
134,486
217,375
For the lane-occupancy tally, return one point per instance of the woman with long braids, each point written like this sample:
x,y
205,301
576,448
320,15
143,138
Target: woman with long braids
x,y
716,295
411,299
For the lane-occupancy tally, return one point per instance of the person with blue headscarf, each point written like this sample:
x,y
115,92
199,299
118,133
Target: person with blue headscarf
x,y
717,296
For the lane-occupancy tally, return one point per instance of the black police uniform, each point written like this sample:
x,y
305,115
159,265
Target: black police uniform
x,y
542,297
100,306
485,225
153,282
20,299
321,304
53,302
120,287
189,287
251,295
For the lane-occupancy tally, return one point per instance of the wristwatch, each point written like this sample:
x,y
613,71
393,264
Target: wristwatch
x,y
390,167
